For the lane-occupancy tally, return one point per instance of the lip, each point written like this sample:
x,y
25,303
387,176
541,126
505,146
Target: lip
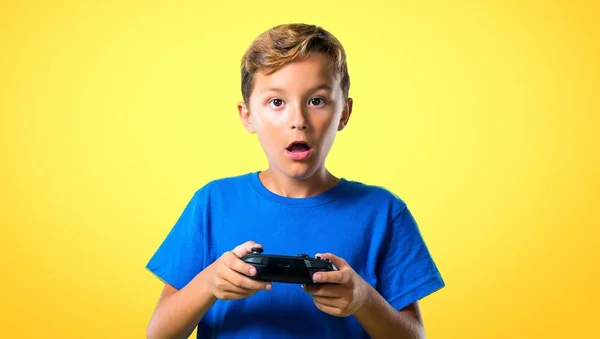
x,y
299,155
299,142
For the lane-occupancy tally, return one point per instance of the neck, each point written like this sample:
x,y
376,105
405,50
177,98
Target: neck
x,y
281,184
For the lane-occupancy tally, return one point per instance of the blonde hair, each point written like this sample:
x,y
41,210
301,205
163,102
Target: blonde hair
x,y
289,42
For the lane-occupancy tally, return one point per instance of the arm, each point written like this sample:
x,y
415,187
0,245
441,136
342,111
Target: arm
x,y
381,320
345,293
406,273
179,311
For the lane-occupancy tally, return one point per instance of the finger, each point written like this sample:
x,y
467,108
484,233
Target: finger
x,y
340,263
329,309
245,248
327,301
233,296
226,286
236,264
335,277
329,290
244,282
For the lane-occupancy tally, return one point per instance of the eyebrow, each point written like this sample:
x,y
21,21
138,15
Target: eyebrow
x,y
320,87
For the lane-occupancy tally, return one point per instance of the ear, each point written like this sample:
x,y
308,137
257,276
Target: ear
x,y
345,114
245,116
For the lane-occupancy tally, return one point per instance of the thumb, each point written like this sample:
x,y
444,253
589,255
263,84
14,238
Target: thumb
x,y
245,248
337,261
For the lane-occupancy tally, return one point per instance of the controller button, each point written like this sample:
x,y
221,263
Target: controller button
x,y
254,260
256,250
303,255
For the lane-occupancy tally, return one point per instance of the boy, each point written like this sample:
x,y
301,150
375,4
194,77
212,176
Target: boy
x,y
295,87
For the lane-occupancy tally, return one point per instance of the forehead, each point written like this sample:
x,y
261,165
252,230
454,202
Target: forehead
x,y
299,76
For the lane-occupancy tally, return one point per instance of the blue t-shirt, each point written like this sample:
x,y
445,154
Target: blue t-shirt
x,y
368,226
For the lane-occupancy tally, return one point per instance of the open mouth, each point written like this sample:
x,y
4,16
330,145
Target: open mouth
x,y
298,147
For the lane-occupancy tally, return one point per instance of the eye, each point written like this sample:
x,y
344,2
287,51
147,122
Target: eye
x,y
317,101
275,103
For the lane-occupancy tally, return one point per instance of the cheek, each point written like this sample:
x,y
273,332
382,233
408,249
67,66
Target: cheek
x,y
267,132
266,119
325,122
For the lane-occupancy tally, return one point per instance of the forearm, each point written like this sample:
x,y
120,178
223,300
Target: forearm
x,y
178,315
380,320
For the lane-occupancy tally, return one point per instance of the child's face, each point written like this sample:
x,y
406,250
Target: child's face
x,y
302,101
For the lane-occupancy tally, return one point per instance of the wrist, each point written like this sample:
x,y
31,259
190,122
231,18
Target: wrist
x,y
368,298
204,282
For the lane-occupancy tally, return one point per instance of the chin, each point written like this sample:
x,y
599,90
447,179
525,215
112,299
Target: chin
x,y
299,170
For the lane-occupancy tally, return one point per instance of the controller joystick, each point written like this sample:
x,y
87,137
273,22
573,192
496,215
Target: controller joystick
x,y
256,250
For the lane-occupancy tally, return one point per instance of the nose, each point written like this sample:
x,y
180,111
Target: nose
x,y
299,126
298,117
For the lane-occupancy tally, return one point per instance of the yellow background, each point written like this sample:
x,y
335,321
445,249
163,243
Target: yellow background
x,y
483,116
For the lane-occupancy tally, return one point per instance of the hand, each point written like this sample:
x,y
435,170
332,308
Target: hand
x,y
230,277
343,291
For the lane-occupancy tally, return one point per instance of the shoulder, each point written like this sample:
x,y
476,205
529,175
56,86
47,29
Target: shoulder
x,y
228,187
224,184
372,190
373,194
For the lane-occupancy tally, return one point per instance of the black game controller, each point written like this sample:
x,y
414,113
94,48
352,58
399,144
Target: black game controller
x,y
286,269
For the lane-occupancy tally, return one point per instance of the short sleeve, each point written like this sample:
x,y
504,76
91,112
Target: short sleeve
x,y
406,270
180,257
